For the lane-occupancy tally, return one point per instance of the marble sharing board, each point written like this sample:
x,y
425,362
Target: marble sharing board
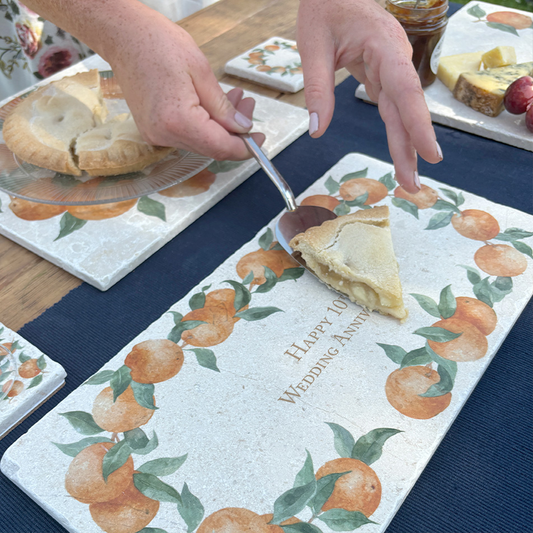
x,y
275,63
265,402
476,27
102,244
27,379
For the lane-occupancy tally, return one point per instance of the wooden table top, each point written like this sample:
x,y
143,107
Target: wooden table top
x,y
29,284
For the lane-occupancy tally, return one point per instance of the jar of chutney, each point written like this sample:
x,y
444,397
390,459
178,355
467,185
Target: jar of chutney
x,y
424,21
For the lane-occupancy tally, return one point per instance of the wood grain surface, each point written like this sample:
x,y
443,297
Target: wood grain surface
x,y
29,284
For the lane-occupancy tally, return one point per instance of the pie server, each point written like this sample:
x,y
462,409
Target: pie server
x,y
297,218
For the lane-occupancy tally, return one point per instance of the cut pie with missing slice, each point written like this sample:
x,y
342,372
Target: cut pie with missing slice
x,y
354,254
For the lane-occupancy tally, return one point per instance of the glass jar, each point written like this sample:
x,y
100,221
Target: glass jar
x,y
424,21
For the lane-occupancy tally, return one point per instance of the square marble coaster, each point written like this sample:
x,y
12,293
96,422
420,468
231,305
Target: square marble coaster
x,y
225,417
102,244
479,26
274,63
27,379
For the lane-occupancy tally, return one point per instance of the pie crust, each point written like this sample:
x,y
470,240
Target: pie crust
x,y
62,126
354,255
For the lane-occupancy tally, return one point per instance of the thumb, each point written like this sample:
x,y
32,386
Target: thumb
x,y
318,64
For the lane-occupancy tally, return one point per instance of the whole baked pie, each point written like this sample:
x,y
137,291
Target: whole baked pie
x,y
62,126
354,254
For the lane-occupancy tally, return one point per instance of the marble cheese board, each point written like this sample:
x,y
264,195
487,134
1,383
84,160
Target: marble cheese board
x,y
101,244
472,29
247,402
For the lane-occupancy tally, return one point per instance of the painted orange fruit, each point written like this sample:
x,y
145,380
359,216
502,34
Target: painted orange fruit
x,y
198,184
279,70
121,415
469,346
278,529
256,261
128,513
360,490
234,520
12,388
403,389
263,68
101,211
476,224
153,361
85,482
28,210
8,346
476,312
271,47
224,298
29,369
500,260
516,20
321,200
218,327
352,189
425,198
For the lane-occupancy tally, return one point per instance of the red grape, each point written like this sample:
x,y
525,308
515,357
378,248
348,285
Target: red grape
x,y
519,95
529,117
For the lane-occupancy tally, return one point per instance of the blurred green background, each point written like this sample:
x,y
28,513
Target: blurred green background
x,y
524,5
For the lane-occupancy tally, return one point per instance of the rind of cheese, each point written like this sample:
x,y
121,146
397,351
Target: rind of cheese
x,y
501,56
451,67
483,91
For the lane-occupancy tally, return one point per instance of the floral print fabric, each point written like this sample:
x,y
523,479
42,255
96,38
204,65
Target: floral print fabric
x,y
32,48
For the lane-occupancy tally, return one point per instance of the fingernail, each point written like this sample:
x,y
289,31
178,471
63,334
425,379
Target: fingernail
x,y
313,123
417,181
439,151
243,121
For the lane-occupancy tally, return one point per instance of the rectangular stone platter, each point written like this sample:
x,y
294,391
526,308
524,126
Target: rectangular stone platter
x,y
36,377
299,379
101,252
469,31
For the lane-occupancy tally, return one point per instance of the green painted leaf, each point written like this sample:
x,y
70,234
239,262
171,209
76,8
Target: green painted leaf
x,y
270,283
342,520
257,313
444,386
154,488
35,381
190,509
277,246
152,530
440,220
291,274
450,366
68,224
358,201
483,291
16,346
217,167
242,294
178,329
266,239
82,422
176,316
369,447
120,381
197,301
476,11
306,474
136,438
74,448
324,489
436,334
447,303
503,27
443,205
388,181
41,362
115,458
394,353
165,466
427,304
152,208
144,394
101,377
342,209
513,234
501,287
523,248
151,445
416,358
5,375
332,186
205,358
406,205
23,357
301,527
472,274
452,195
342,440
293,501
354,175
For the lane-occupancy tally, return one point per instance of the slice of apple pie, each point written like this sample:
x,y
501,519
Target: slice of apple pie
x,y
354,255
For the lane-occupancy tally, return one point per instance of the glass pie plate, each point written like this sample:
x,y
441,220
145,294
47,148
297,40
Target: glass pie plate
x,y
30,182
8,373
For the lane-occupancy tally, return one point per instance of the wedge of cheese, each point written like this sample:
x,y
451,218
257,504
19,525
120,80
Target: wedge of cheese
x,y
451,67
501,56
484,90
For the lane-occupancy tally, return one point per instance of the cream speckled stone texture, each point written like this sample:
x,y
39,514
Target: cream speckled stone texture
x,y
275,63
34,381
229,406
104,251
466,33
